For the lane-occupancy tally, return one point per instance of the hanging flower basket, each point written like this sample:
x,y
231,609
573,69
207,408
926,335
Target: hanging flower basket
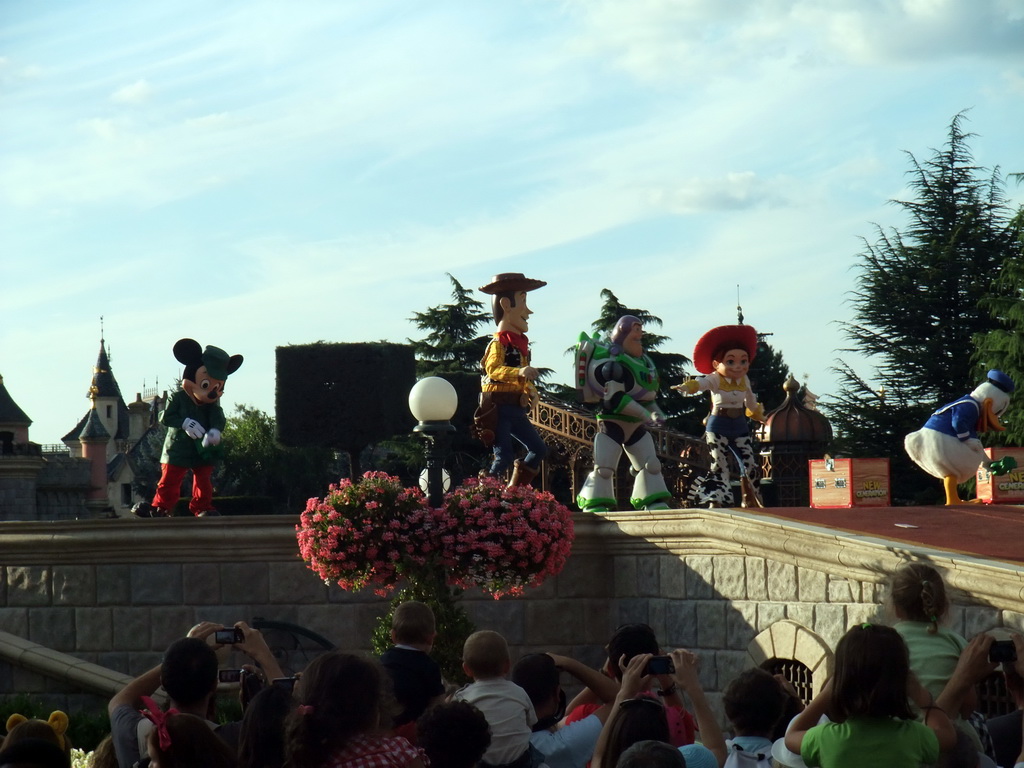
x,y
503,539
375,533
365,534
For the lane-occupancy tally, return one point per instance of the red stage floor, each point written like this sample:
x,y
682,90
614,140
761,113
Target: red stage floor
x,y
990,531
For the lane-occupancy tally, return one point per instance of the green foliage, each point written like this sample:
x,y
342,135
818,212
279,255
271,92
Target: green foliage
x,y
1003,346
145,457
768,372
453,342
453,625
255,465
916,308
86,728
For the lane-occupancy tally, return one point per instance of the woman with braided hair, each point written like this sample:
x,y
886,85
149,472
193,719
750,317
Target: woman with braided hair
x,y
921,607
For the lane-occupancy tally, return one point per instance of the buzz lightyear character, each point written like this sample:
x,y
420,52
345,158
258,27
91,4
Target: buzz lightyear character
x,y
623,380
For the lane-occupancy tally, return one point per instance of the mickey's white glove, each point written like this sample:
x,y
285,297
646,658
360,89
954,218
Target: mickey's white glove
x,y
212,437
193,428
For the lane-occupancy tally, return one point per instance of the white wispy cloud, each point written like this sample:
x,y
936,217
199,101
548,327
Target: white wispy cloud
x,y
136,93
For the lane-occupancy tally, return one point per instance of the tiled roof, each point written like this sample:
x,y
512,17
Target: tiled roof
x,y
93,428
10,413
103,382
104,385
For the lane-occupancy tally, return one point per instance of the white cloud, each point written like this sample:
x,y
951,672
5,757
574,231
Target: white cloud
x,y
734,191
136,93
101,128
698,41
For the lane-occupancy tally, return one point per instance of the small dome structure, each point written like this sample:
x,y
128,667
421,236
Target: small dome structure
x,y
793,422
792,435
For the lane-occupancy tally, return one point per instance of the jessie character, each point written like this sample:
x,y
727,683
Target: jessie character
x,y
947,446
724,355
507,389
194,420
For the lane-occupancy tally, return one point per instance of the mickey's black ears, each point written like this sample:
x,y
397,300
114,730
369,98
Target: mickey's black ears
x,y
188,352
234,363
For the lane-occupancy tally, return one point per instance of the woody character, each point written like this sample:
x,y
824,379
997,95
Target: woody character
x,y
507,389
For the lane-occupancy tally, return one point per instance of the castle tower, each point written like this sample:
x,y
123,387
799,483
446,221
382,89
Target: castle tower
x,y
109,406
14,423
20,462
94,439
138,418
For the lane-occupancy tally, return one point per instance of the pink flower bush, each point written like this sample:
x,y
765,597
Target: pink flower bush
x,y
360,534
375,533
500,539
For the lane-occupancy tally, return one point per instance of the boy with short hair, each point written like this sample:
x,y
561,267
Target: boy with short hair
x,y
416,677
754,703
508,709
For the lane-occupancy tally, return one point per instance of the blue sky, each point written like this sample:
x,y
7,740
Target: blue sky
x,y
255,174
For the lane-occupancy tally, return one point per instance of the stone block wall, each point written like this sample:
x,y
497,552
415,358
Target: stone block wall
x,y
18,486
117,592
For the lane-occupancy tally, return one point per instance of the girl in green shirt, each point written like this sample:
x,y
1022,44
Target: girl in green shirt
x,y
871,723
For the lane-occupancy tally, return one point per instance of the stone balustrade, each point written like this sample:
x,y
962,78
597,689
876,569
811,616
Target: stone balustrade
x,y
736,587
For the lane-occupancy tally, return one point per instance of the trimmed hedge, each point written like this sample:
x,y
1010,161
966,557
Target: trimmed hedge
x,y
343,396
235,505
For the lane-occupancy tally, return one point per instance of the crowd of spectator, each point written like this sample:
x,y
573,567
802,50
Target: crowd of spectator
x,y
898,696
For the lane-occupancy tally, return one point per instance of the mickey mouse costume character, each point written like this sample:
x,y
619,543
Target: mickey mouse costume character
x,y
724,355
194,420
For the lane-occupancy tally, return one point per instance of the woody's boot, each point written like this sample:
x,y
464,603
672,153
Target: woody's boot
x,y
522,474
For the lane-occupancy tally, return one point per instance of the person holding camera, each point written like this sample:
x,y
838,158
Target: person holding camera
x,y
980,659
1007,731
637,716
628,641
188,674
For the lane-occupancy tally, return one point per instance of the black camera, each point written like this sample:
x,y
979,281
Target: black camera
x,y
228,636
229,675
660,665
1002,650
288,683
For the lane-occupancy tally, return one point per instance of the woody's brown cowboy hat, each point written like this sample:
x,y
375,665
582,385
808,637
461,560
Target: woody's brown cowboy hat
x,y
512,282
723,337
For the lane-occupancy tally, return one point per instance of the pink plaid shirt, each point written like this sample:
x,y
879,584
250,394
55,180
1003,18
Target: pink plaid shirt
x,y
366,751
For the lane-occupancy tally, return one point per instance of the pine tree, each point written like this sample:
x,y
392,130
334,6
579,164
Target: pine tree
x,y
768,372
453,342
916,307
452,349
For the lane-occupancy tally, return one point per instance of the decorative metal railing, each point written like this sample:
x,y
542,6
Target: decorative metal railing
x,y
569,430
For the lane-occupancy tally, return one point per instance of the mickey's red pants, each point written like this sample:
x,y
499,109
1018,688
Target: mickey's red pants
x,y
168,490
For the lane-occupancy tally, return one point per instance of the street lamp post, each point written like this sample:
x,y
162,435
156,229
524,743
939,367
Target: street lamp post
x,y
433,402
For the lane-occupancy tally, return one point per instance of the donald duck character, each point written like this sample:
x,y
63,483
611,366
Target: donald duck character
x,y
947,446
